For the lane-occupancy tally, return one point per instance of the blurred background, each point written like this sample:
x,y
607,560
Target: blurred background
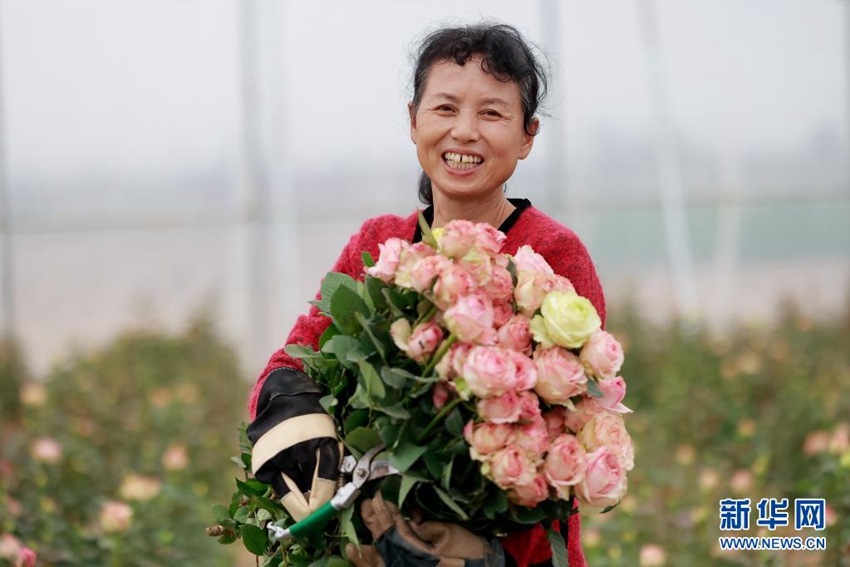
x,y
176,178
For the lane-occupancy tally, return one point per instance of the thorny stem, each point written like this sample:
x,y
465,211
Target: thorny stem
x,y
441,352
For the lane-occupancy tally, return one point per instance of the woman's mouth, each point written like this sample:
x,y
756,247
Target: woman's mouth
x,y
461,161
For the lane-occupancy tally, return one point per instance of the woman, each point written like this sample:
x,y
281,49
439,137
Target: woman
x,y
476,90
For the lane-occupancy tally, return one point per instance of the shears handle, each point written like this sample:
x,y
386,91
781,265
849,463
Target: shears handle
x,y
314,523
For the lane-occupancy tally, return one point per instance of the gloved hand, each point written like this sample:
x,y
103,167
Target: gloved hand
x,y
296,449
416,543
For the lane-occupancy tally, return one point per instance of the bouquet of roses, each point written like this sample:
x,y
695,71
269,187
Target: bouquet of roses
x,y
485,375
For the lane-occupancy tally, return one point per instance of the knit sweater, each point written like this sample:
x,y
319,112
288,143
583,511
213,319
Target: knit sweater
x,y
561,248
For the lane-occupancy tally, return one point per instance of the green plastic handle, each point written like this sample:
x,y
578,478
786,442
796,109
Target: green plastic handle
x,y
314,522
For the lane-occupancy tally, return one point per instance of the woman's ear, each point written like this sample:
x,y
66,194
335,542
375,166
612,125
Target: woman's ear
x,y
528,139
412,114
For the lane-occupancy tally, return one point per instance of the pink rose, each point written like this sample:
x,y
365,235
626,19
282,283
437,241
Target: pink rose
x,y
560,375
584,410
613,391
486,438
453,282
530,291
565,464
604,483
479,266
46,450
388,258
469,317
602,355
26,558
529,405
516,335
10,547
505,408
409,258
509,466
440,394
489,371
525,371
488,239
115,516
424,271
500,287
529,494
527,260
557,282
457,238
451,365
555,420
606,429
424,340
502,312
532,439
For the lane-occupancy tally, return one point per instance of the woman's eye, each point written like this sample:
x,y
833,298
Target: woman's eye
x,y
492,113
444,108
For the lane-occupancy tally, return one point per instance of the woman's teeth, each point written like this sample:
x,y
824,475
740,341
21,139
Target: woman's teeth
x,y
459,161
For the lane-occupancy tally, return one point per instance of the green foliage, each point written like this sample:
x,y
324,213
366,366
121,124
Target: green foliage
x,y
140,427
757,411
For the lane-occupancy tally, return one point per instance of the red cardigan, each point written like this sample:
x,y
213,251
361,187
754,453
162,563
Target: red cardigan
x,y
561,248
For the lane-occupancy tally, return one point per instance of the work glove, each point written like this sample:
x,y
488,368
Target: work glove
x,y
417,543
296,449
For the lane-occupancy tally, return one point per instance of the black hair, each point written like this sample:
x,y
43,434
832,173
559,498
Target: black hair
x,y
504,53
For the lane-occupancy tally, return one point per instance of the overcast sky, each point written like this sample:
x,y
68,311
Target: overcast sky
x,y
137,86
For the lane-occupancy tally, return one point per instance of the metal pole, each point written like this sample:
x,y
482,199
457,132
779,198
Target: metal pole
x,y
254,196
669,171
557,187
7,274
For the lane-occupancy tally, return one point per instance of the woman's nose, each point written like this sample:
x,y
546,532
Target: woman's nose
x,y
465,127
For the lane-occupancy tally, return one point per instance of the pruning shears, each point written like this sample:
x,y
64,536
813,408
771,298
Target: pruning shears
x,y
361,471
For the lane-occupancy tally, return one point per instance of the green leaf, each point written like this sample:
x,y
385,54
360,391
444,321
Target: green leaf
x,y
220,514
346,303
454,423
593,389
447,475
255,539
375,287
241,515
427,235
389,435
252,487
395,377
328,403
360,399
341,346
496,504
238,461
362,439
407,483
371,381
368,262
448,501
346,520
405,455
300,351
559,549
355,419
330,285
396,410
370,332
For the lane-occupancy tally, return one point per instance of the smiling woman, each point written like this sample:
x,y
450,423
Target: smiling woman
x,y
476,93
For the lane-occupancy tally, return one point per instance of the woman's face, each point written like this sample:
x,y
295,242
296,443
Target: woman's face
x,y
468,130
